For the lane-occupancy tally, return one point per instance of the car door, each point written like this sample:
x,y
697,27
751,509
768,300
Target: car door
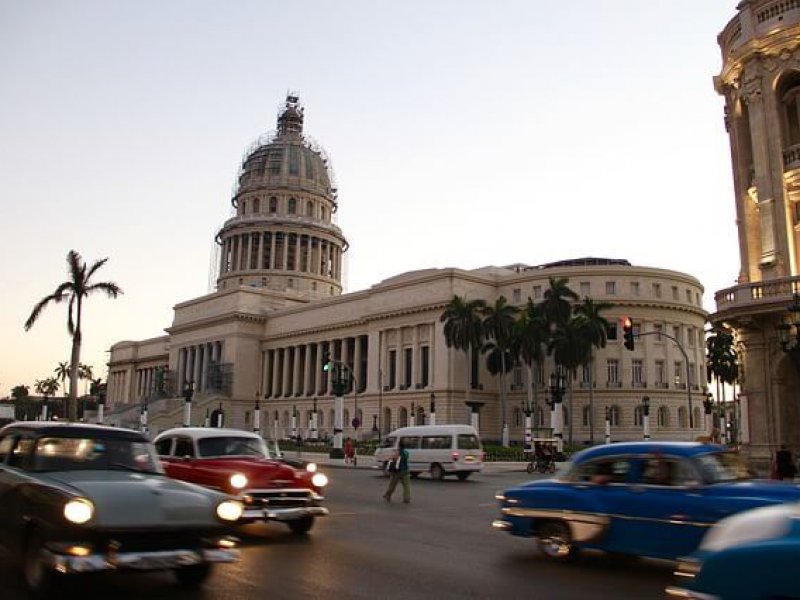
x,y
665,507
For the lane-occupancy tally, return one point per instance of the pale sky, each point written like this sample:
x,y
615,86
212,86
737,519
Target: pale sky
x,y
462,134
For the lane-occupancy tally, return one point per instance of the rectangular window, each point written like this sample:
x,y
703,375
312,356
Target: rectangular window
x,y
516,379
679,373
517,295
392,369
658,328
275,161
693,375
657,290
611,288
611,332
586,374
675,292
634,288
436,442
586,289
537,292
690,336
689,296
408,354
294,161
637,372
612,370
676,333
661,376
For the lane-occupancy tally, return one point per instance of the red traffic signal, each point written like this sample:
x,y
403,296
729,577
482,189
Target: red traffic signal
x,y
627,332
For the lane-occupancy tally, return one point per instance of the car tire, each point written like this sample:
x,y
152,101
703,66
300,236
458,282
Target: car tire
x,y
301,526
437,472
193,576
555,541
463,475
39,578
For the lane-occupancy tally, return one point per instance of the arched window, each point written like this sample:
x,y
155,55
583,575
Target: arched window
x,y
789,95
697,418
273,205
586,415
517,417
614,416
683,420
663,416
292,206
403,420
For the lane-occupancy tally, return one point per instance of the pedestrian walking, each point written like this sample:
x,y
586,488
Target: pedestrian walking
x,y
784,464
398,473
349,452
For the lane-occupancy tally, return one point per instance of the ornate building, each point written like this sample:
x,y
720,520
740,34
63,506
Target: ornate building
x,y
760,81
260,339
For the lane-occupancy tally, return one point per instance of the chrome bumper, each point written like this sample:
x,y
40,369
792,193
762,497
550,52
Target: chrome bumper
x,y
501,525
283,514
139,561
679,592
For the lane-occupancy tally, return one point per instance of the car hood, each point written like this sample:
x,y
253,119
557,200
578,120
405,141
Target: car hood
x,y
127,499
764,523
259,471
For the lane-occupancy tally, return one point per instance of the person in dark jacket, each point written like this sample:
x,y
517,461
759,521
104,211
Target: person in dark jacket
x,y
784,464
398,473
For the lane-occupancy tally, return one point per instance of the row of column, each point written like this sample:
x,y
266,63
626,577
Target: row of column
x,y
145,382
298,370
281,251
117,384
193,363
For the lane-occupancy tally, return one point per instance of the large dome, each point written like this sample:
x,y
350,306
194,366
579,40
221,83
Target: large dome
x,y
282,236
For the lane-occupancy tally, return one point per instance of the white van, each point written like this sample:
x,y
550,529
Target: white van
x,y
436,449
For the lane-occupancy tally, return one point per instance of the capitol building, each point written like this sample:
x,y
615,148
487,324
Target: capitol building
x,y
250,354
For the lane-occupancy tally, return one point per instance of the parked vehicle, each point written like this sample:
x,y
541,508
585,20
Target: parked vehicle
x,y
82,498
238,462
653,499
436,449
750,555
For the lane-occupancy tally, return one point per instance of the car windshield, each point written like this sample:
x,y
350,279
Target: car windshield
x,y
232,446
54,453
719,467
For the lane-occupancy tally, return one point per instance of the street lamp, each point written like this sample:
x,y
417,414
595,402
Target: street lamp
x,y
432,420
413,416
314,431
608,425
557,388
188,392
526,409
646,417
257,416
708,409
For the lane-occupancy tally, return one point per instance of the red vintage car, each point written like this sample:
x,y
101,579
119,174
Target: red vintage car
x,y
239,463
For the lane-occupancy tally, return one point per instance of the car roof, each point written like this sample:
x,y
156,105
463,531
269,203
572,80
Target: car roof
x,y
207,432
67,429
651,447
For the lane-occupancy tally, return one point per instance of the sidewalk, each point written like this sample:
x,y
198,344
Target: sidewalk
x,y
368,462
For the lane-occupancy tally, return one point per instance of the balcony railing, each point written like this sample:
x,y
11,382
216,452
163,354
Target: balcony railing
x,y
779,291
791,158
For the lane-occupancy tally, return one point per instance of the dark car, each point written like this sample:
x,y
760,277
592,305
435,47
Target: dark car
x,y
238,462
653,499
82,498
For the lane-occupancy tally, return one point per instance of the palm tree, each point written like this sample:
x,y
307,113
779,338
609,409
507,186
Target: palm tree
x,y
721,360
46,387
85,373
570,348
498,326
528,343
74,290
463,330
596,331
62,371
557,304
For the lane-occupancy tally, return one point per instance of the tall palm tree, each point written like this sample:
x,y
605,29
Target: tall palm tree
x,y
596,332
62,371
85,373
528,343
722,362
463,330
46,387
571,349
78,287
498,326
557,304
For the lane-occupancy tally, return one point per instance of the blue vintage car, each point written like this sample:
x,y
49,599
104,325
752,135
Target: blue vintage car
x,y
751,555
653,499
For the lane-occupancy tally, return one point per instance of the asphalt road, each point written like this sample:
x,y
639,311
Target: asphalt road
x,y
441,546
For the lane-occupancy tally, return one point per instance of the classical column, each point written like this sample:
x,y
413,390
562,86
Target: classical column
x,y
260,251
287,382
359,382
197,366
308,363
275,372
414,356
296,381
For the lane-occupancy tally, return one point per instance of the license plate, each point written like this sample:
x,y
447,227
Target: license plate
x,y
469,459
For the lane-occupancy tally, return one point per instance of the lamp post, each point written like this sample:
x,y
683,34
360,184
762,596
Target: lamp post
x,y
257,416
557,387
608,425
708,410
412,418
143,417
646,418
528,443
294,421
188,392
314,430
432,420
220,417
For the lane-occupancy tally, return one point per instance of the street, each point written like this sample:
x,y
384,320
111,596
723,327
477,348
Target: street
x,y
441,545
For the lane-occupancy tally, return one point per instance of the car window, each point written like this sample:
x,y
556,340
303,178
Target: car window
x,y
231,446
605,470
184,447
388,442
6,443
468,441
20,452
410,442
718,467
659,470
436,441
54,453
163,446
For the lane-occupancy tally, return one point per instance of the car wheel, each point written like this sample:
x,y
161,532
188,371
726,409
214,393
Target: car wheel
x,y
301,526
555,541
193,576
39,577
463,475
437,472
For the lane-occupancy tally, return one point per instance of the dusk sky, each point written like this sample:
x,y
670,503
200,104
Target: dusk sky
x,y
462,133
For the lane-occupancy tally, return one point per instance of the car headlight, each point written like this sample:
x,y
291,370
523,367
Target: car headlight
x,y
311,467
78,511
230,510
238,481
320,480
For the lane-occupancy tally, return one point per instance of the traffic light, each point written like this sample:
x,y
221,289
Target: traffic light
x,y
627,332
326,361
